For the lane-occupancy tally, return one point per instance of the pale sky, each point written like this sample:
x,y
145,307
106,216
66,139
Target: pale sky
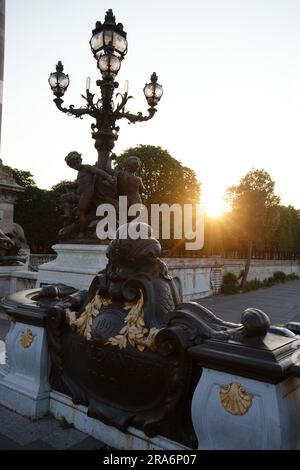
x,y
230,71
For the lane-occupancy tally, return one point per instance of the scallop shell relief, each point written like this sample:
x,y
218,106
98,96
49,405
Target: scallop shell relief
x,y
234,399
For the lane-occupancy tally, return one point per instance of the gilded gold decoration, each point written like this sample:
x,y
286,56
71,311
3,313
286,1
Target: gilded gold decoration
x,y
234,399
26,338
83,323
135,331
11,319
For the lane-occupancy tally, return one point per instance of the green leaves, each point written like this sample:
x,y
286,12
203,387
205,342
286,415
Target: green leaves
x,y
254,205
165,179
37,211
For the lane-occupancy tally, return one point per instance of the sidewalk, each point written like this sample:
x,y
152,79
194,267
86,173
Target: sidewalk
x,y
19,433
280,302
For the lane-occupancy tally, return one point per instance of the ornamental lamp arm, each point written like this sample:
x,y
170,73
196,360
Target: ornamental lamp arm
x,y
133,118
122,104
77,112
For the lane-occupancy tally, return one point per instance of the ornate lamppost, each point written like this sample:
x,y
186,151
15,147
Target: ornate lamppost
x,y
109,46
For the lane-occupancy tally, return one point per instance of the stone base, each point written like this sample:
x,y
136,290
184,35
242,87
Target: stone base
x,y
24,385
61,406
75,265
270,423
20,401
15,278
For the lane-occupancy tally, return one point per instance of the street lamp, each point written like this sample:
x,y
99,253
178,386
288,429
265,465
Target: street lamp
x,y
109,33
59,81
109,46
153,91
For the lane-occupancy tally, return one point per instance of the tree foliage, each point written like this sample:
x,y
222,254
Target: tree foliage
x,y
23,178
37,212
61,187
287,234
254,211
165,179
256,215
254,207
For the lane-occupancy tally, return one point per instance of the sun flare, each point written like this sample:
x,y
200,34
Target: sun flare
x,y
215,210
214,205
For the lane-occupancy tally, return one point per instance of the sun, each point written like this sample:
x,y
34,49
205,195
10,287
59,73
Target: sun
x,y
215,209
214,205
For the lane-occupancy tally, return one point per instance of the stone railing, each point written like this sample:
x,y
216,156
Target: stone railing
x,y
195,277
201,277
36,260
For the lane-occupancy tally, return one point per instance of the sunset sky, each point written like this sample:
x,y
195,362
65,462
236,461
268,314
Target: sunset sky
x,y
230,71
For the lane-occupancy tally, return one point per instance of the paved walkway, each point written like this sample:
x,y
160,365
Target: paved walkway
x,y
280,302
19,433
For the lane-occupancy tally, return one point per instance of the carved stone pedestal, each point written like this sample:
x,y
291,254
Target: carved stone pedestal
x,y
248,396
75,265
15,278
24,385
238,413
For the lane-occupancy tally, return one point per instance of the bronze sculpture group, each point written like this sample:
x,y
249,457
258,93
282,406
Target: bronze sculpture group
x,y
95,186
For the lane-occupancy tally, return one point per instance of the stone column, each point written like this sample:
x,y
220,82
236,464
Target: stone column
x,y
2,35
9,190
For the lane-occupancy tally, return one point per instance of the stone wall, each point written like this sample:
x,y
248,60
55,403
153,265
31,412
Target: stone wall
x,y
201,277
195,277
192,275
261,269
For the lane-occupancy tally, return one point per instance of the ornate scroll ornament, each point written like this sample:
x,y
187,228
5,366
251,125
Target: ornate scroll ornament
x,y
26,338
135,331
234,399
83,323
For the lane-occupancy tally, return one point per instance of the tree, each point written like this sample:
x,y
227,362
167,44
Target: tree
x,y
254,209
23,178
287,235
37,212
61,187
165,179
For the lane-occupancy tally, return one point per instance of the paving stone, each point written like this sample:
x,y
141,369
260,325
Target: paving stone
x,y
22,434
50,430
88,443
39,445
18,432
8,444
60,438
